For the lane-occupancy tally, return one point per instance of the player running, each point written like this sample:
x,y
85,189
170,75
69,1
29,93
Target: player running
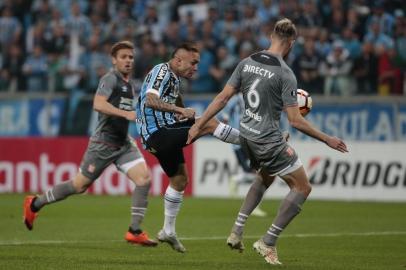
x,y
110,143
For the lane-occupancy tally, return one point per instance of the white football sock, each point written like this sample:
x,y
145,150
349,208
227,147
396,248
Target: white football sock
x,y
173,201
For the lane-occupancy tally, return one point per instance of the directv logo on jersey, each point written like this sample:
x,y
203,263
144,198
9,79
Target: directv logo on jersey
x,y
254,116
258,70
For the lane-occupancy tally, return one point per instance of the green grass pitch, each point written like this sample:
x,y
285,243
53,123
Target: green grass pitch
x,y
86,232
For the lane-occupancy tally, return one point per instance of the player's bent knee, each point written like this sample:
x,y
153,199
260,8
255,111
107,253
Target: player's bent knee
x,y
305,189
144,179
81,183
308,189
80,187
139,173
179,183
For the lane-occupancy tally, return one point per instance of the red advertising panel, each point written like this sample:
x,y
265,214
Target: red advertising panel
x,y
36,164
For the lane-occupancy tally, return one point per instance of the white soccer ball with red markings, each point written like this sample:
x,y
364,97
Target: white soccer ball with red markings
x,y
304,101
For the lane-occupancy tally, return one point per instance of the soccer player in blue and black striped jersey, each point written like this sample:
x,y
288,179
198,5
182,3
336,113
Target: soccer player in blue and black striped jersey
x,y
164,123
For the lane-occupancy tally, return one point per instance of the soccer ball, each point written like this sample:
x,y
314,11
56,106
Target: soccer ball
x,y
304,101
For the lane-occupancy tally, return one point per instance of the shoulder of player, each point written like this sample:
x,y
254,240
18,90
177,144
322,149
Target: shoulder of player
x,y
287,71
110,76
161,68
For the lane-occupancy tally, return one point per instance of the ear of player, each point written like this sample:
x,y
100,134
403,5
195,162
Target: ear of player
x,y
305,101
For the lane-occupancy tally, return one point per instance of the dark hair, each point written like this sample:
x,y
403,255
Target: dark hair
x,y
188,46
121,45
285,29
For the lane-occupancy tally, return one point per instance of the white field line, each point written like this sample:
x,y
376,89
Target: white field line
x,y
300,235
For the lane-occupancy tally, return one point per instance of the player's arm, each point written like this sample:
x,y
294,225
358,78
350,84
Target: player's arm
x,y
295,118
100,104
153,101
221,100
218,103
179,102
155,87
226,112
297,121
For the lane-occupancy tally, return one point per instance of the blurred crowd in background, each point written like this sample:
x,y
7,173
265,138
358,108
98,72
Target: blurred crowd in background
x,y
345,48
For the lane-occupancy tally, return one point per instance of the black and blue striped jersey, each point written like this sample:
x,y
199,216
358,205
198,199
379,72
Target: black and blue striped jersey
x,y
164,83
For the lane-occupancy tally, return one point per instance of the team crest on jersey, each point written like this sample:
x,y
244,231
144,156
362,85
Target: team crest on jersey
x,y
124,88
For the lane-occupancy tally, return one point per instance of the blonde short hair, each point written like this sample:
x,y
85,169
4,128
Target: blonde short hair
x,y
285,29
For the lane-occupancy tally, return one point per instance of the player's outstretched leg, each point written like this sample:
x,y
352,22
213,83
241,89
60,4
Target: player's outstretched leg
x,y
268,252
32,204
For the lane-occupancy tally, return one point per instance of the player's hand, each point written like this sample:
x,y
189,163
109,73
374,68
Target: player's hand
x,y
186,113
193,132
337,144
130,115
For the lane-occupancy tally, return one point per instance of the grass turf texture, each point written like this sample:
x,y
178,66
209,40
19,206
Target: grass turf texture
x,y
86,232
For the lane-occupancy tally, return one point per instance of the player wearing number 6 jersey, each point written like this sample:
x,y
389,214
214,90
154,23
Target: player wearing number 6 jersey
x,y
269,86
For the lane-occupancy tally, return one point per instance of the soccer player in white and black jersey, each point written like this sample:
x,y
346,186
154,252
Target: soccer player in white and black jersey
x,y
164,125
269,86
110,143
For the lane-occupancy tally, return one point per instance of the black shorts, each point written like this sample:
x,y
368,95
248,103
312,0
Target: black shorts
x,y
167,145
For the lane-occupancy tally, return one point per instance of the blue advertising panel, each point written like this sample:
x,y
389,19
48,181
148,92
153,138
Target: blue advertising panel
x,y
35,117
352,122
401,123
